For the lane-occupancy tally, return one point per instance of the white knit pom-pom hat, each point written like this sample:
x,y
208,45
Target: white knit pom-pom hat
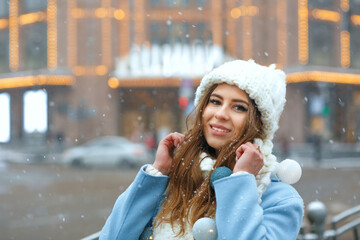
x,y
267,87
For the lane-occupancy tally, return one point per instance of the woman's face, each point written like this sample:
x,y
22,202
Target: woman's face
x,y
225,115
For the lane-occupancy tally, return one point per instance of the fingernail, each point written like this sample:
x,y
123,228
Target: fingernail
x,y
178,146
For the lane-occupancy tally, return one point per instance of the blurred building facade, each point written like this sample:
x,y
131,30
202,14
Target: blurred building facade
x,y
72,70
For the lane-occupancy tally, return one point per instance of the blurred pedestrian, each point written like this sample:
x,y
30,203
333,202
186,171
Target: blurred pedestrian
x,y
238,106
317,147
150,141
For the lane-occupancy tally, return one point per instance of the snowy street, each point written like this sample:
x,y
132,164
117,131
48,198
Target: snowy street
x,y
55,202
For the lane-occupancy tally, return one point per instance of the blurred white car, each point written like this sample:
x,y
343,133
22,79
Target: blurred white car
x,y
110,151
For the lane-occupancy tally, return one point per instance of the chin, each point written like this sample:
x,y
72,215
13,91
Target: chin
x,y
216,145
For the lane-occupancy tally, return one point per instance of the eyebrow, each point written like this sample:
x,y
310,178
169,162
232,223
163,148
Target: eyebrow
x,y
233,100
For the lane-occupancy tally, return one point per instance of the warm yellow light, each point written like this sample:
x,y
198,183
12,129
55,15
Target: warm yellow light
x,y
344,4
100,13
244,11
303,31
32,18
4,23
52,35
326,15
318,76
235,13
252,10
101,70
345,49
148,82
13,35
119,14
113,82
355,19
28,81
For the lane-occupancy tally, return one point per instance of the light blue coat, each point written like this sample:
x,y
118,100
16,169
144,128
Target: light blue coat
x,y
239,216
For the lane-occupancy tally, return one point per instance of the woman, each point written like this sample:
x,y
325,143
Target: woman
x,y
238,106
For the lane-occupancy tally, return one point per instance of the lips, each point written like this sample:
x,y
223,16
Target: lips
x,y
219,129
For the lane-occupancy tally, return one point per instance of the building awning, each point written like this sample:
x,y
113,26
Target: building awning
x,y
293,75
149,82
320,76
59,77
37,80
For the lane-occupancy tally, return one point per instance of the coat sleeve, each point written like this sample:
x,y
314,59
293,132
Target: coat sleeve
x,y
240,216
135,207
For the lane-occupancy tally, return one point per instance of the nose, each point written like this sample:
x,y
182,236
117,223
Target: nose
x,y
222,113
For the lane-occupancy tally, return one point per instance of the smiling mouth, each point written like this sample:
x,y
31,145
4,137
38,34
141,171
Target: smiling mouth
x,y
219,129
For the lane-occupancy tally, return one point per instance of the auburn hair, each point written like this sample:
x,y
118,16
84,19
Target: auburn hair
x,y
188,195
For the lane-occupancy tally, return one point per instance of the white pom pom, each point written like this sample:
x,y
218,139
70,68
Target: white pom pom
x,y
205,229
289,171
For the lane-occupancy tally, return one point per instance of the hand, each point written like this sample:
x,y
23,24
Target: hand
x,y
249,158
164,153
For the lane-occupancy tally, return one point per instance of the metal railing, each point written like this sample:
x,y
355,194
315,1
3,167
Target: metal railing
x,y
340,224
316,213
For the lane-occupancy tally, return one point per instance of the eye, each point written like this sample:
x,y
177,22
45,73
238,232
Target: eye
x,y
215,101
240,108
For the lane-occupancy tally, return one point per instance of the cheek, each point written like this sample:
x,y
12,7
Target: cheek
x,y
206,115
240,124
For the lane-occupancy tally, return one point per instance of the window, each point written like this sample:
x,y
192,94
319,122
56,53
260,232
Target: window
x,y
201,31
154,33
170,2
355,6
4,9
33,35
321,43
323,4
154,3
355,47
185,2
201,2
176,3
90,50
35,45
35,111
4,51
5,117
34,5
355,34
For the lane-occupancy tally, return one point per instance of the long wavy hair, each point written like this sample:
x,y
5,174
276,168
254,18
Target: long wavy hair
x,y
189,195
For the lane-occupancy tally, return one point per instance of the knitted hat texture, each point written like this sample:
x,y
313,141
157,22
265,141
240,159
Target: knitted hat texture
x,y
267,87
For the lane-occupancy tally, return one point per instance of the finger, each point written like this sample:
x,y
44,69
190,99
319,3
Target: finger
x,y
182,138
175,142
175,139
240,151
179,139
252,145
170,141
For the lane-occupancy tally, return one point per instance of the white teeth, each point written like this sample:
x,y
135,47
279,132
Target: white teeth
x,y
219,130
